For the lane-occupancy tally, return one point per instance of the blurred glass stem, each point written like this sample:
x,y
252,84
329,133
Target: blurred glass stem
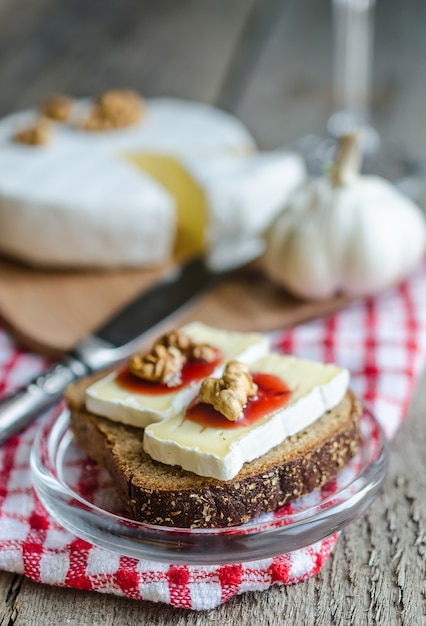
x,y
353,22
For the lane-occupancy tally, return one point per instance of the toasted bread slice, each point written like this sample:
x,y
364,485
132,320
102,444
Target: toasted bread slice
x,y
167,495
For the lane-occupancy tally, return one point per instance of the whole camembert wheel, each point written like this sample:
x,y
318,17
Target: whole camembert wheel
x,y
126,182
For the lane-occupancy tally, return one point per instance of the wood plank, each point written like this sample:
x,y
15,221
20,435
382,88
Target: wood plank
x,y
82,48
10,588
400,86
287,91
260,23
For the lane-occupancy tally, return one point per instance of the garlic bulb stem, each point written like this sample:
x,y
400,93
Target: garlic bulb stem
x,y
347,164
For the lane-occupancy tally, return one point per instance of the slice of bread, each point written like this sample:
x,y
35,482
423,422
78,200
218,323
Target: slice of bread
x,y
156,493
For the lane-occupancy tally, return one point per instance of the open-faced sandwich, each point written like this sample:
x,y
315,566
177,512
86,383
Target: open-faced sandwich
x,y
210,429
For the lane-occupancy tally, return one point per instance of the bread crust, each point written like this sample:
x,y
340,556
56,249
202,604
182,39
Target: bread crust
x,y
155,493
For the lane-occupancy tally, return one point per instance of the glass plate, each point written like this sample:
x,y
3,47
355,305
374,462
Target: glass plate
x,y
81,498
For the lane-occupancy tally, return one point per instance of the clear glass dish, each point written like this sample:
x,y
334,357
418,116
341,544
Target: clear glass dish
x,y
80,497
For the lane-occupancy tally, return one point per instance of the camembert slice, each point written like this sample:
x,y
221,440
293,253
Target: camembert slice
x,y
109,399
220,452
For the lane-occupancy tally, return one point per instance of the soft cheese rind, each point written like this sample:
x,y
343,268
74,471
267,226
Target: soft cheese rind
x,y
220,454
108,399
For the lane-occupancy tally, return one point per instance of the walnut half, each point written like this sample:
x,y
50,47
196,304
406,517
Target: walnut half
x,y
162,365
229,394
191,349
115,109
169,354
58,107
37,135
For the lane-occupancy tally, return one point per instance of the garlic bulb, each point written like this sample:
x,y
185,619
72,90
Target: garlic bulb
x,y
346,233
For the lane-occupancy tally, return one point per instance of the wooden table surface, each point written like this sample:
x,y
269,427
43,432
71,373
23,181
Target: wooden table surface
x,y
268,61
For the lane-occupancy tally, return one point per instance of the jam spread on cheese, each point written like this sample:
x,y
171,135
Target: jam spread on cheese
x,y
272,395
192,370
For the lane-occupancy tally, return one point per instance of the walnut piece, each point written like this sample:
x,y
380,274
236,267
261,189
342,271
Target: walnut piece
x,y
229,394
114,109
57,107
191,349
169,354
37,135
162,365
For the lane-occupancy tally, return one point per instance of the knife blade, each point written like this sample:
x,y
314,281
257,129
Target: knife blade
x,y
114,341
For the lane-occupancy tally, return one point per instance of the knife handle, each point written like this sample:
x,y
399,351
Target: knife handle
x,y
24,405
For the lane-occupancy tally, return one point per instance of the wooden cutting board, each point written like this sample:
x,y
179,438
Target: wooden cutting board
x,y
49,311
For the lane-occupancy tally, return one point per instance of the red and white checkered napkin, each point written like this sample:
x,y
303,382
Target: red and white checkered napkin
x,y
383,343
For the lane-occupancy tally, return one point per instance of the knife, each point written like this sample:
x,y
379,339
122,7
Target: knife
x,y
114,341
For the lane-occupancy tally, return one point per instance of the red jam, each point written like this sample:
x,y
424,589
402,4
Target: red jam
x,y
272,394
193,370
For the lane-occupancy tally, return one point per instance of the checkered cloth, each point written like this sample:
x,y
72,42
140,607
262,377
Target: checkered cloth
x,y
382,341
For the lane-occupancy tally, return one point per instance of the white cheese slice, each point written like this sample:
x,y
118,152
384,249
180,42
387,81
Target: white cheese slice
x,y
220,453
107,398
243,196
